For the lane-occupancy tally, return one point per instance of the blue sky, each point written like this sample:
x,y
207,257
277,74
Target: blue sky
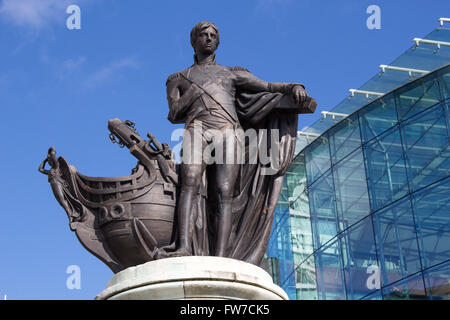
x,y
58,87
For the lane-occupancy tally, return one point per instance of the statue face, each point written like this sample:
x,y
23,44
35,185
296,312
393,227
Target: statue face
x,y
207,41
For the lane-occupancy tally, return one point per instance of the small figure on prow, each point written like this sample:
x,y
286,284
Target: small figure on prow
x,y
57,183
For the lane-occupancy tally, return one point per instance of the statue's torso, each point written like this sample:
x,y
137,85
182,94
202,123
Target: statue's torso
x,y
216,107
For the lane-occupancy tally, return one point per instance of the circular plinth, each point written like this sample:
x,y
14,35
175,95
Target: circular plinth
x,y
196,277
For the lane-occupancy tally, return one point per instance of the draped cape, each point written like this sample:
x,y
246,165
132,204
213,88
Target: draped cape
x,y
257,192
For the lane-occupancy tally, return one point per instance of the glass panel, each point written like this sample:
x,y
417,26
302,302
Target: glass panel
x,y
282,206
296,177
306,280
374,296
317,157
301,233
431,209
427,148
437,282
446,105
424,57
409,289
330,283
272,267
303,139
289,287
344,138
280,247
418,96
284,194
323,210
444,82
352,200
278,216
360,260
385,165
377,117
396,241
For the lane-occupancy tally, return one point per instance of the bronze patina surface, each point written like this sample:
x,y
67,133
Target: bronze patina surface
x,y
201,207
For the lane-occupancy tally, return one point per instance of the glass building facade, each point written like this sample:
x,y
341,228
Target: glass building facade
x,y
365,207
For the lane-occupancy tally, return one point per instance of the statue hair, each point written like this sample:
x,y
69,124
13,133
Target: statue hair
x,y
201,26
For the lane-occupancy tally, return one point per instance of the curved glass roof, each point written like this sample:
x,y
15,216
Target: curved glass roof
x,y
426,54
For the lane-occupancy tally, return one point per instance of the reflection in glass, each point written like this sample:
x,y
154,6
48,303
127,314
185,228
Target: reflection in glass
x,y
282,206
289,286
396,241
444,82
302,247
374,296
431,209
410,289
330,280
306,282
427,147
418,96
273,268
446,105
344,138
301,233
280,246
385,167
317,157
323,209
295,177
352,200
378,117
437,282
360,260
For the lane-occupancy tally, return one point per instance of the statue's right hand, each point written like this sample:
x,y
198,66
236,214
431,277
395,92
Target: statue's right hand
x,y
42,166
299,94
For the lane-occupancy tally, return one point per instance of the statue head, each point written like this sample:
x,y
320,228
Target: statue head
x,y
205,38
52,159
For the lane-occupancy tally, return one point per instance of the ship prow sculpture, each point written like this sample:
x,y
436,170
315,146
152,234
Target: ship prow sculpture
x,y
124,221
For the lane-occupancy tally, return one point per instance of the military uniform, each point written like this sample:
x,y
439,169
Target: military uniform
x,y
205,94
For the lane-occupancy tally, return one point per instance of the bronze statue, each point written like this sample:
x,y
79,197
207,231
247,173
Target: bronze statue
x,y
198,208
212,96
59,185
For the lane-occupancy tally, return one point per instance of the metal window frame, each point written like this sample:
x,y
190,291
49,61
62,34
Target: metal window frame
x,y
410,71
427,41
365,92
442,20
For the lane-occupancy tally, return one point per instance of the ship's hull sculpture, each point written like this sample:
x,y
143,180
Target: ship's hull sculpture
x,y
124,221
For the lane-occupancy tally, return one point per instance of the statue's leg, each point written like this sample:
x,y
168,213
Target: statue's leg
x,y
191,175
59,195
192,168
226,176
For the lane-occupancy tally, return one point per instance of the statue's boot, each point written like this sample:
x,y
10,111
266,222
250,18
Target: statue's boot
x,y
162,254
223,227
185,203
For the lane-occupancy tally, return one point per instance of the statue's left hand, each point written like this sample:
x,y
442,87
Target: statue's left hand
x,y
299,94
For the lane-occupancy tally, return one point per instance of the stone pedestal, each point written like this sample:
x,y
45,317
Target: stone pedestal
x,y
184,278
